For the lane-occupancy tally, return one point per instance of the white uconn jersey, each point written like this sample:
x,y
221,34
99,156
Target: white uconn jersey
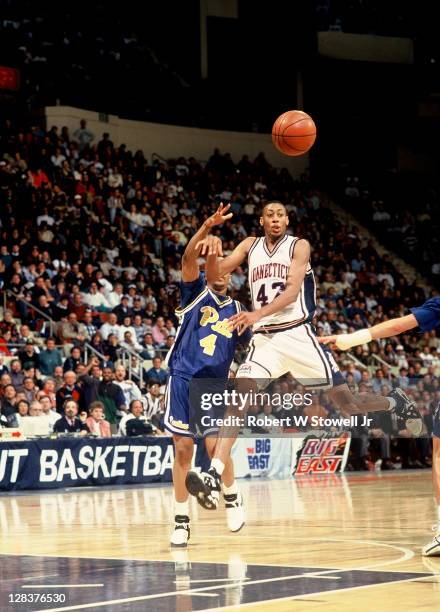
x,y
267,279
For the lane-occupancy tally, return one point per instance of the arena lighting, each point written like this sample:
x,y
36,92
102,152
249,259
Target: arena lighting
x,y
9,78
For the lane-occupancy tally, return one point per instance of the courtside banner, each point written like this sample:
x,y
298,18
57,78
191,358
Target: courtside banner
x,y
270,457
72,462
320,453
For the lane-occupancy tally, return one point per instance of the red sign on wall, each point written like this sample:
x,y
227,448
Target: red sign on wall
x,y
9,78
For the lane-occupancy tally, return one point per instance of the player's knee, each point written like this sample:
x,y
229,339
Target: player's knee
x,y
210,444
345,401
245,385
183,450
245,388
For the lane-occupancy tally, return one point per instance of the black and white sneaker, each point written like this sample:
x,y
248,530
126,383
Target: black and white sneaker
x,y
433,548
205,487
406,411
180,536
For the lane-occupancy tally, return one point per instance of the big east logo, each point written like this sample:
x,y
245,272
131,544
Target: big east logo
x,y
321,455
258,456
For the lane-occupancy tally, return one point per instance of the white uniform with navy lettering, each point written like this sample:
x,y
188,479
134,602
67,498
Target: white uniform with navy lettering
x,y
285,341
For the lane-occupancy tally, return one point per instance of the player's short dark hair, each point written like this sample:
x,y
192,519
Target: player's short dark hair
x,y
264,204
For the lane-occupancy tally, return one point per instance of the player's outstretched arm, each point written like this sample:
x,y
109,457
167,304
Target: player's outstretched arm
x,y
394,327
295,278
190,267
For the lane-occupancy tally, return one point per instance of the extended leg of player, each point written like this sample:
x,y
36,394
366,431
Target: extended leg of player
x,y
206,486
433,548
183,453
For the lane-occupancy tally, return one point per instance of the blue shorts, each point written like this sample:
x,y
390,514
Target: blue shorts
x,y
185,412
436,422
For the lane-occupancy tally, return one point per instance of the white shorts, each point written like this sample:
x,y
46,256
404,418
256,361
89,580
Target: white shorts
x,y
296,351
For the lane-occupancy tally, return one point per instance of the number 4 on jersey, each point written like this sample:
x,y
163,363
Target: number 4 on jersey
x,y
208,344
262,297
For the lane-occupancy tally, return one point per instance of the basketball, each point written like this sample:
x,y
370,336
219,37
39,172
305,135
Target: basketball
x,y
294,133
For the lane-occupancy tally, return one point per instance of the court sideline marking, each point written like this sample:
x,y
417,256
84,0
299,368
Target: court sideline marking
x,y
111,602
406,555
300,597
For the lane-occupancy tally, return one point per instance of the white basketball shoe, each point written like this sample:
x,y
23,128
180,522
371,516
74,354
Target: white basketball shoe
x,y
235,514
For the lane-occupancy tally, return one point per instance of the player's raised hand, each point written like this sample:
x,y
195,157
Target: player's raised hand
x,y
242,320
220,216
211,245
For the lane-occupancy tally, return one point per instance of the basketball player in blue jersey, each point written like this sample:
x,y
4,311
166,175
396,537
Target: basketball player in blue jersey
x,y
204,349
427,318
282,289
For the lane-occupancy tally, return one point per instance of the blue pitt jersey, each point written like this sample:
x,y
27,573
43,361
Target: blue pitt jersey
x,y
204,346
428,314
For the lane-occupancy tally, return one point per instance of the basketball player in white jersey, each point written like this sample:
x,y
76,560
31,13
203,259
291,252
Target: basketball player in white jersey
x,y
282,289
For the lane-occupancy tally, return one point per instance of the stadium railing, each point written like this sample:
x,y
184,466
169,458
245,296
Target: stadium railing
x,y
31,307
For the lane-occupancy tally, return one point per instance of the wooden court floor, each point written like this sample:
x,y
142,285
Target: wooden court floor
x,y
327,543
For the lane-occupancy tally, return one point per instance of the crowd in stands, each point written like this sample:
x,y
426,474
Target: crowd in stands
x,y
402,214
91,238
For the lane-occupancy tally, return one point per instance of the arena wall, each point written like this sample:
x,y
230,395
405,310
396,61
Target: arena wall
x,y
170,141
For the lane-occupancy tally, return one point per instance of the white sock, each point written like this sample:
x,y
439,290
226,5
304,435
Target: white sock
x,y
181,508
392,403
232,490
218,466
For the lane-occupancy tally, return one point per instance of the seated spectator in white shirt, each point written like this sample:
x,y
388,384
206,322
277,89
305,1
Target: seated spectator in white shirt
x,y
36,424
130,342
22,412
96,299
114,297
127,327
136,412
110,327
51,415
58,158
45,218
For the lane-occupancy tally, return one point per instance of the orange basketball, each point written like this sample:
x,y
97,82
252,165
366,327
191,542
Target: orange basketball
x,y
294,133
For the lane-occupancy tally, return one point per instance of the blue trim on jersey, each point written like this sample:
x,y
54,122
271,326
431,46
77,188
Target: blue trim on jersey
x,y
428,315
436,422
309,295
190,290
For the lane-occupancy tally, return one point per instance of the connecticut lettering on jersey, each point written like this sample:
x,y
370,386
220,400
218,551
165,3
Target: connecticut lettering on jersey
x,y
268,273
268,270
